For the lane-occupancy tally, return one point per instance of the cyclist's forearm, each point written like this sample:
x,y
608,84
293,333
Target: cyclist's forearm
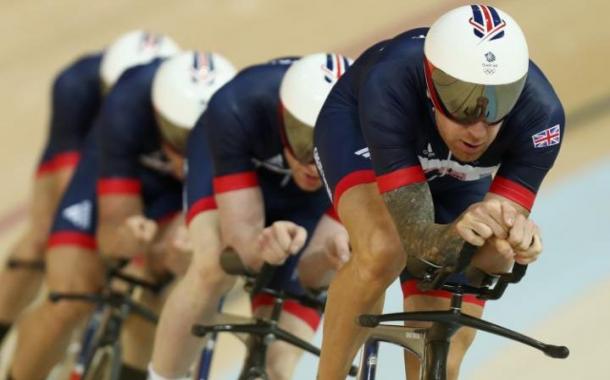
x,y
242,218
412,210
316,269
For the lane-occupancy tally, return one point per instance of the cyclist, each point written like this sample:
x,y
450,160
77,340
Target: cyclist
x,y
260,195
408,141
125,187
75,101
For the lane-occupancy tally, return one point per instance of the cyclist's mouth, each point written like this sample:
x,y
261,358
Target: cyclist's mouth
x,y
471,147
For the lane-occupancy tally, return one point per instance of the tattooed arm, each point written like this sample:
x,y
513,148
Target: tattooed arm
x,y
412,210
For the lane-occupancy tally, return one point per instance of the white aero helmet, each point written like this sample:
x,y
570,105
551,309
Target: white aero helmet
x,y
476,63
303,91
133,48
181,90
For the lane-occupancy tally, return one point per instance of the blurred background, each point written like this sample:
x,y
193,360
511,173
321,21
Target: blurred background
x,y
564,298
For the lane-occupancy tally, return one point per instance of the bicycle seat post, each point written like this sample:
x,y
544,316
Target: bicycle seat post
x,y
456,300
278,304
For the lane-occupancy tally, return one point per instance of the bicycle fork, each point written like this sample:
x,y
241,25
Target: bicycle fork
x,y
84,356
368,361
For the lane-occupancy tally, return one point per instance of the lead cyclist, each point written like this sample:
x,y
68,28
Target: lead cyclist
x,y
408,142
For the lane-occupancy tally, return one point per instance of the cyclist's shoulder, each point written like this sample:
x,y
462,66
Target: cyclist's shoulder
x,y
79,77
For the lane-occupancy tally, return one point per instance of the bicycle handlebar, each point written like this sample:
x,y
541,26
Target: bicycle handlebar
x,y
258,282
114,299
435,278
35,265
115,273
262,279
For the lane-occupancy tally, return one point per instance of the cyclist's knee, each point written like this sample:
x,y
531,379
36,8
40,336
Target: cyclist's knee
x,y
276,373
381,257
209,275
67,314
281,365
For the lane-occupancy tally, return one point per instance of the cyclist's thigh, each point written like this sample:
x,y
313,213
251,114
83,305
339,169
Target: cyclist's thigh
x,y
344,162
340,152
73,263
162,203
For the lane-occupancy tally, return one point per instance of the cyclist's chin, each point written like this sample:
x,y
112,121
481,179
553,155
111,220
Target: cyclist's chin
x,y
467,153
308,183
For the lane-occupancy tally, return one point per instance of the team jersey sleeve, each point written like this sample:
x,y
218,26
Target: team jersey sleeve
x,y
199,194
229,139
531,155
388,119
120,141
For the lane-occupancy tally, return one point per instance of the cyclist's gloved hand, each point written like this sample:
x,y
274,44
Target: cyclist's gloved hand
x,y
280,240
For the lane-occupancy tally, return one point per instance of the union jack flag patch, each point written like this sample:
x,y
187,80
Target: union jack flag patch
x,y
548,137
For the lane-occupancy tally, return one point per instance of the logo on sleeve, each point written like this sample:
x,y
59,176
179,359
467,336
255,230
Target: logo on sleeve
x,y
364,152
316,157
548,137
79,214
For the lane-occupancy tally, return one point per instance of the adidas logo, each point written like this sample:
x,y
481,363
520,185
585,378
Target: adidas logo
x,y
364,152
79,214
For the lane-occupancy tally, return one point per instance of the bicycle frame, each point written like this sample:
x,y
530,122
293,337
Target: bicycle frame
x,y
104,327
431,345
207,353
86,353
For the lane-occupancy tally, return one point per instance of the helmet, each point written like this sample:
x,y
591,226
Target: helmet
x,y
181,90
303,90
476,63
133,48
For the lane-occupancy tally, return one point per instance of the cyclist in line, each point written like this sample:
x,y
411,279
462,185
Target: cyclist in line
x,y
260,195
126,186
76,97
407,143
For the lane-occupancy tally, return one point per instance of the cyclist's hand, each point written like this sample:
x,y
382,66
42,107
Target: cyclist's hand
x,y
503,247
485,219
143,230
179,251
281,239
338,250
525,239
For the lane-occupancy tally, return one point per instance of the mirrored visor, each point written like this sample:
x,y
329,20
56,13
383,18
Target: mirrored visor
x,y
299,137
467,103
172,134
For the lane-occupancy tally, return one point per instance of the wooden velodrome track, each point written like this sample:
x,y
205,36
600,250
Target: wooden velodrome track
x,y
567,39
